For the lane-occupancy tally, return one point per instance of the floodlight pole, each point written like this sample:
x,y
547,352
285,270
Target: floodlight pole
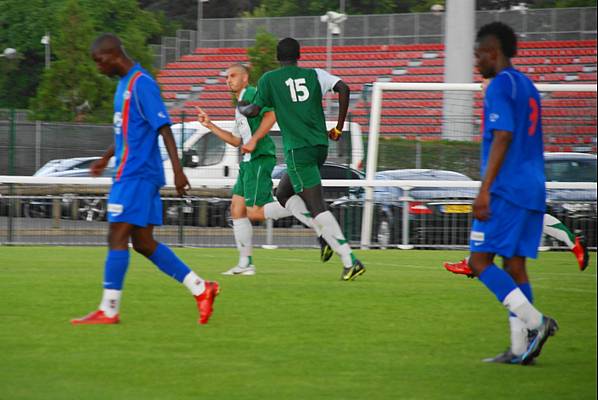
x,y
328,63
199,21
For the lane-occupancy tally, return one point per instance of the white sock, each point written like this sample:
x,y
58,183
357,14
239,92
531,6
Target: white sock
x,y
555,228
274,210
194,283
296,205
243,231
111,302
331,232
518,336
518,304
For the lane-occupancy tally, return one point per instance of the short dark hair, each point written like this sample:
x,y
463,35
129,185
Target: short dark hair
x,y
288,49
505,35
241,66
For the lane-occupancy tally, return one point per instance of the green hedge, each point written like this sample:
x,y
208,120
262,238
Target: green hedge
x,y
396,153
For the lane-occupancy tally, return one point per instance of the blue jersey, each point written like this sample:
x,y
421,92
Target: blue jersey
x,y
512,103
138,114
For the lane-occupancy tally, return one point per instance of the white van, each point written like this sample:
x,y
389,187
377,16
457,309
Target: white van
x,y
204,155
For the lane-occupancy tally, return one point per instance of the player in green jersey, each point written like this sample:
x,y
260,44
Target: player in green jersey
x,y
252,194
296,94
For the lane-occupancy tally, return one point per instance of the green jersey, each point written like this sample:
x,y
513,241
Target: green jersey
x,y
296,95
245,127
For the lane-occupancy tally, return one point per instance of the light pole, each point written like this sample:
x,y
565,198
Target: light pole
x,y
333,20
46,42
9,52
199,18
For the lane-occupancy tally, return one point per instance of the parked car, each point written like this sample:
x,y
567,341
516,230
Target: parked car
x,y
329,170
89,208
436,215
576,208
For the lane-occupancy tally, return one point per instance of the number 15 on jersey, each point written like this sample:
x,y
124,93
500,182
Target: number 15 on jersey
x,y
299,91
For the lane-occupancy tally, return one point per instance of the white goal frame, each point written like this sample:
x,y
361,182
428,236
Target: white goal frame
x,y
374,136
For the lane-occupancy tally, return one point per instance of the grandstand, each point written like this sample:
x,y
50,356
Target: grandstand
x,y
569,120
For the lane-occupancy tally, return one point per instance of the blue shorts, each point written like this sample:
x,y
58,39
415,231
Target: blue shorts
x,y
510,231
135,201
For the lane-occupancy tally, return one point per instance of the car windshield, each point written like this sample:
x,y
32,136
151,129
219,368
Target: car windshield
x,y
570,170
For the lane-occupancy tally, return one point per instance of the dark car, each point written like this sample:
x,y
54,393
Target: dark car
x,y
329,170
435,215
576,208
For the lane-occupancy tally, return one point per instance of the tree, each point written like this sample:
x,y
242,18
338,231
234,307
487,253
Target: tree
x,y
262,55
72,89
23,23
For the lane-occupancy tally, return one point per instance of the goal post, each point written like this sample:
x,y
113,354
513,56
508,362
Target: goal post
x,y
379,88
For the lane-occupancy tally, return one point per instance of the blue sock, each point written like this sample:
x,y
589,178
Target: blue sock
x,y
169,263
115,269
526,288
498,281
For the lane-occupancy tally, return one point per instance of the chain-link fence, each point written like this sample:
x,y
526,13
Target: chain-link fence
x,y
532,25
26,146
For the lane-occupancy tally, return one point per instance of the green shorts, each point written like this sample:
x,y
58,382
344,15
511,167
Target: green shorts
x,y
303,166
255,181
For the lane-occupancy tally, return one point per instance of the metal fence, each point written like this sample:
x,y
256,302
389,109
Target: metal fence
x,y
74,219
25,146
532,25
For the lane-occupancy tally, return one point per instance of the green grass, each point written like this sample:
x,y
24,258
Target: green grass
x,y
407,329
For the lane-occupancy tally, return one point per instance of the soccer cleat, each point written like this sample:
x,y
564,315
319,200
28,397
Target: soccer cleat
x,y
239,270
353,271
460,268
205,301
326,251
96,318
581,252
548,328
504,358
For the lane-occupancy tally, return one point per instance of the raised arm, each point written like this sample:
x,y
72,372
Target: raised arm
x,y
225,135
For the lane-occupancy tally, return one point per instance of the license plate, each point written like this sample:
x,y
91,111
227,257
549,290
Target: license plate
x,y
456,208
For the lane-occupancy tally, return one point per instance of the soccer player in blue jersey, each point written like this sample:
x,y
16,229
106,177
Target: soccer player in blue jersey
x,y
509,208
134,205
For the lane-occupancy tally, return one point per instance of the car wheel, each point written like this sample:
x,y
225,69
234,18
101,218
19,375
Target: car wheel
x,y
37,210
92,209
383,234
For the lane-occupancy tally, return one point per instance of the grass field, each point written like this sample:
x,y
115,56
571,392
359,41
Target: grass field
x,y
407,329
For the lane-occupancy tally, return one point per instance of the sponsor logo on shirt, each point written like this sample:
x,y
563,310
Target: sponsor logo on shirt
x,y
115,209
117,120
477,237
494,117
161,115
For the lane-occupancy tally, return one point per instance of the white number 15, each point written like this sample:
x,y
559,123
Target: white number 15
x,y
297,87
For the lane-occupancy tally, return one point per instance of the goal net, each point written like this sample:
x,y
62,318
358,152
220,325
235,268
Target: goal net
x,y
421,131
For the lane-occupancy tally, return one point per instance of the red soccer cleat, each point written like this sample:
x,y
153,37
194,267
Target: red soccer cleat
x,y
205,301
460,268
581,252
96,318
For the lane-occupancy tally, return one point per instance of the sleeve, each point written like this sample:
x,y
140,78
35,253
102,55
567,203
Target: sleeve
x,y
264,109
149,102
327,80
263,97
501,113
